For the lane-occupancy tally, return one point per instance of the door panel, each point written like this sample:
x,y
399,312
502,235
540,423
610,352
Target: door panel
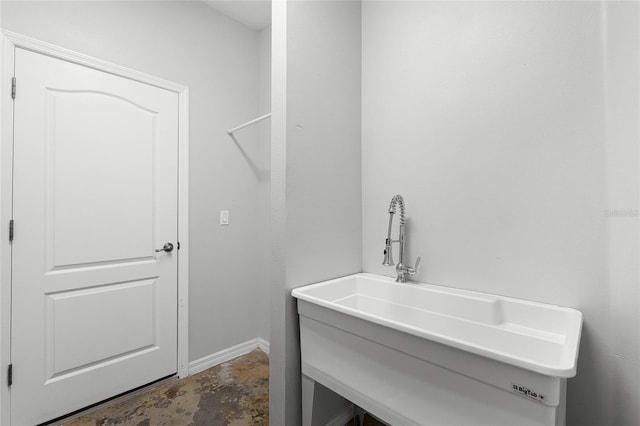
x,y
94,306
71,346
128,178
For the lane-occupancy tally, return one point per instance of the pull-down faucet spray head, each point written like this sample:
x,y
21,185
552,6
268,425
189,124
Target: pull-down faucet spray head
x,y
388,254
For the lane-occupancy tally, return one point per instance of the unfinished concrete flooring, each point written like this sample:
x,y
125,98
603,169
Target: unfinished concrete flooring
x,y
234,393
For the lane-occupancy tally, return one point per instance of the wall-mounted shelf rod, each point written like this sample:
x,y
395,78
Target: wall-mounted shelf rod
x,y
248,123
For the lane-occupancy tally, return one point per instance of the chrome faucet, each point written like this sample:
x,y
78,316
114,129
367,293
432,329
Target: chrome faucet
x,y
402,269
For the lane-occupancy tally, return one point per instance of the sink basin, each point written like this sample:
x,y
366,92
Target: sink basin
x,y
414,353
534,336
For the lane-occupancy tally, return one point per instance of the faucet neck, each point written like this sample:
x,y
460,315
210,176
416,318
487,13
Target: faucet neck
x,y
401,243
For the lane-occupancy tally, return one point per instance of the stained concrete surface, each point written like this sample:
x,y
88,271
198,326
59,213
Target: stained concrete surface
x,y
234,393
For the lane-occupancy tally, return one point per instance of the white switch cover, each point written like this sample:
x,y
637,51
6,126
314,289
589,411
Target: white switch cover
x,y
224,217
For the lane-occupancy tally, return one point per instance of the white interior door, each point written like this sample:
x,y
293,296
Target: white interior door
x,y
94,306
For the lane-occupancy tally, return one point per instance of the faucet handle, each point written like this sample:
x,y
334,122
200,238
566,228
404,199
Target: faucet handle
x,y
412,271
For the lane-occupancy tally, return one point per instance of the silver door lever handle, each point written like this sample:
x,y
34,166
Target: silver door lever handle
x,y
168,248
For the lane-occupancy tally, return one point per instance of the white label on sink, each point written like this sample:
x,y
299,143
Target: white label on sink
x,y
527,392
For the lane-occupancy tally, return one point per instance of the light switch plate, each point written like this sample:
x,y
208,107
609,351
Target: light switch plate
x,y
224,217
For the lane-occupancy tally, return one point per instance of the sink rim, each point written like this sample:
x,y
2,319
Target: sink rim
x,y
564,368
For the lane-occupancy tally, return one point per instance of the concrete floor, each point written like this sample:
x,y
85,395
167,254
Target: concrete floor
x,y
234,393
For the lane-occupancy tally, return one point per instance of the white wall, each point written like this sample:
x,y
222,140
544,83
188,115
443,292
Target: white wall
x,y
316,176
511,129
263,296
192,44
612,357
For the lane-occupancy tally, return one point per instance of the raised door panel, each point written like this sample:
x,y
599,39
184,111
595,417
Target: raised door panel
x,y
79,326
100,163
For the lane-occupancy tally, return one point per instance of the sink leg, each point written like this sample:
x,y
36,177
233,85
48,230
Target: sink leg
x,y
321,406
307,400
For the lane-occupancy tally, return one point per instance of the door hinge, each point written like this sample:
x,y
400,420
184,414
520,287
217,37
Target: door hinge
x,y
178,245
11,230
13,88
10,375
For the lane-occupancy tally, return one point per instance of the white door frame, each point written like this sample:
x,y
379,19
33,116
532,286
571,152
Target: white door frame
x,y
10,41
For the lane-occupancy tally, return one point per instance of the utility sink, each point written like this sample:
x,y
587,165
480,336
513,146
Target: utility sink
x,y
454,356
534,336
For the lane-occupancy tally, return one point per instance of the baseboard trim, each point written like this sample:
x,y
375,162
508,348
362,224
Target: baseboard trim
x,y
263,345
228,354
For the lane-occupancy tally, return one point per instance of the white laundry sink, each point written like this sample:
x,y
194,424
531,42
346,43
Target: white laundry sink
x,y
411,352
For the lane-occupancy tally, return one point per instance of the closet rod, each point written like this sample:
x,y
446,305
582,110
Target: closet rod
x,y
248,123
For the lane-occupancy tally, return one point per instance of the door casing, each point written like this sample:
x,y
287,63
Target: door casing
x,y
10,41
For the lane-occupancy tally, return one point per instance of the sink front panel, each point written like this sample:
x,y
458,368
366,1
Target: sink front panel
x,y
405,380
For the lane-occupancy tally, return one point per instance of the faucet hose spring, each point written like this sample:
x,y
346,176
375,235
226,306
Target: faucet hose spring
x,y
399,201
